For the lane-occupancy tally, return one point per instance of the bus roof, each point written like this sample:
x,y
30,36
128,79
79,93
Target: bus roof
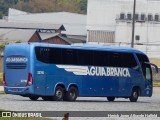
x,y
87,47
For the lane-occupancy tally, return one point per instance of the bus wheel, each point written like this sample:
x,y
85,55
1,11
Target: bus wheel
x,y
71,94
46,98
58,94
134,96
110,98
34,98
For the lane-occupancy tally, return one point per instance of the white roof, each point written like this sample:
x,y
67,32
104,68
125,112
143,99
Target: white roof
x,y
9,35
16,12
47,35
74,23
43,26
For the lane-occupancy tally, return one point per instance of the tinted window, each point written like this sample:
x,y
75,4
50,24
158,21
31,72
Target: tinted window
x,y
55,56
42,54
114,59
128,60
122,60
85,57
101,58
142,58
69,56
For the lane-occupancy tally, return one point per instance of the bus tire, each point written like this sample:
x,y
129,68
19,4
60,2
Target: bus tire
x,y
134,96
59,93
71,94
110,99
34,98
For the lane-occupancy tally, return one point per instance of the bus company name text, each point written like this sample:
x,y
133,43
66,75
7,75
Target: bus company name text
x,y
109,71
16,59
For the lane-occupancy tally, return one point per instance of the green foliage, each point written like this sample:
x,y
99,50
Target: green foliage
x,y
17,41
2,46
77,6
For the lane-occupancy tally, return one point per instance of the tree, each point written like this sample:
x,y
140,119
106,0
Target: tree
x,y
83,6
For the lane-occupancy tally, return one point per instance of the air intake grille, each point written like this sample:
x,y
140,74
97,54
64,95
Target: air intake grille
x,y
16,65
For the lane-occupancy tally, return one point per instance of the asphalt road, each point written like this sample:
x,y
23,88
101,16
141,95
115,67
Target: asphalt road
x,y
18,103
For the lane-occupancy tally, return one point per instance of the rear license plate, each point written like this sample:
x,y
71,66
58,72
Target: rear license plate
x,y
15,89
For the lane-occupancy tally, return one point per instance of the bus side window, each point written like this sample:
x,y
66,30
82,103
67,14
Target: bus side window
x,y
42,54
84,57
69,56
55,56
100,58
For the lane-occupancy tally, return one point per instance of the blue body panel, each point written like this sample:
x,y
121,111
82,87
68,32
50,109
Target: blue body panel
x,y
47,76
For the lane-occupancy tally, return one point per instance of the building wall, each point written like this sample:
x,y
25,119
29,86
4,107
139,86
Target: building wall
x,y
35,38
105,15
55,40
101,36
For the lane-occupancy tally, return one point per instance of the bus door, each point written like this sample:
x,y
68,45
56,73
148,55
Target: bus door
x,y
147,74
39,81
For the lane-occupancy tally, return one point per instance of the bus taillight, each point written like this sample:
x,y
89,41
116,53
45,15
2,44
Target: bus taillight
x,y
4,80
29,82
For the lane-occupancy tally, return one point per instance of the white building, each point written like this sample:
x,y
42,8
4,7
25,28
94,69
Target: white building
x,y
110,21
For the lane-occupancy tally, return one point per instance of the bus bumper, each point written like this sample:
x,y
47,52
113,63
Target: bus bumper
x,y
19,90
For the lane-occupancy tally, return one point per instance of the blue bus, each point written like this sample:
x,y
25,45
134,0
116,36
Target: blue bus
x,y
64,72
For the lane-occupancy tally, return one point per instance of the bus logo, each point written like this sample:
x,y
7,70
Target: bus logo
x,y
16,59
97,71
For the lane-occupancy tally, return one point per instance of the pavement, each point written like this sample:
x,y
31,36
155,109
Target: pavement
x,y
1,88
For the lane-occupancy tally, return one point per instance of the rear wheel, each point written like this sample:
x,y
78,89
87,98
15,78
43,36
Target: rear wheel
x,y
34,98
59,93
71,94
135,95
110,98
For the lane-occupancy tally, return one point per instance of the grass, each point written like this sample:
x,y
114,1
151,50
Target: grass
x,y
1,92
156,84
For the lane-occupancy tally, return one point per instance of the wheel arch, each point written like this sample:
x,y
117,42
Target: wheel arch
x,y
137,88
60,85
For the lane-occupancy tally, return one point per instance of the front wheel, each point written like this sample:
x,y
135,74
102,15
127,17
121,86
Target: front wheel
x,y
34,98
110,99
134,96
71,94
